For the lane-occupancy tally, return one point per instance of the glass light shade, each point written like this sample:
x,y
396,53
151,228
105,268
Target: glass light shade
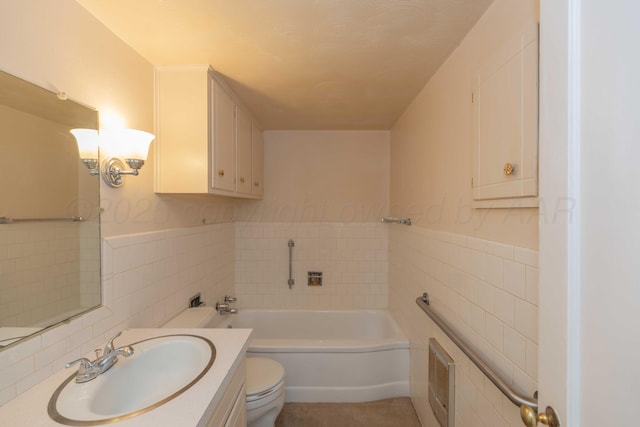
x,y
88,142
127,143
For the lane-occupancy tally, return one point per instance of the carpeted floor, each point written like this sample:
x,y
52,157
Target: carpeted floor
x,y
397,412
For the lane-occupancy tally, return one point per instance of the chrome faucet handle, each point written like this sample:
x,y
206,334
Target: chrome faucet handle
x,y
86,371
229,299
107,361
109,347
222,306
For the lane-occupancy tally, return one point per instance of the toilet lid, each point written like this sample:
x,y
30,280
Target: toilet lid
x,y
262,374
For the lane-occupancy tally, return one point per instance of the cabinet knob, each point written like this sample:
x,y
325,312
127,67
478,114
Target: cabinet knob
x,y
241,180
257,184
508,169
221,172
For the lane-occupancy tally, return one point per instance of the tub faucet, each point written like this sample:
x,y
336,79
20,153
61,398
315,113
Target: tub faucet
x,y
224,308
91,369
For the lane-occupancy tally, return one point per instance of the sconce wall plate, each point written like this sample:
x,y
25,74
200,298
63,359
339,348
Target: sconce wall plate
x,y
113,170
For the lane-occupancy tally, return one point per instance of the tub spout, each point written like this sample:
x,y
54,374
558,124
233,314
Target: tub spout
x,y
223,308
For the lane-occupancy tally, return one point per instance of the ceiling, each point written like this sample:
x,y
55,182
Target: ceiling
x,y
302,64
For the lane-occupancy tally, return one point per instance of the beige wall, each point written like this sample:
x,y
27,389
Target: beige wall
x,y
323,176
477,265
431,144
60,46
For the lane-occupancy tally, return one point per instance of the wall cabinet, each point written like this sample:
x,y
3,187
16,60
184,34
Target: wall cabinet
x,y
505,103
204,142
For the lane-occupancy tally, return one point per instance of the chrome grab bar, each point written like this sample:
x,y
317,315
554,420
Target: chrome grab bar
x,y
515,397
401,221
7,220
291,282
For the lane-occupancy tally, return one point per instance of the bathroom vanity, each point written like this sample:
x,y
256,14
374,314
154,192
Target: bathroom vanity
x,y
216,399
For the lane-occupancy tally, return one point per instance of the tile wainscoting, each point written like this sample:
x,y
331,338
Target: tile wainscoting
x,y
353,258
147,279
485,290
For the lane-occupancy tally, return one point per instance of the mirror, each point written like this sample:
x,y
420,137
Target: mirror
x,y
49,211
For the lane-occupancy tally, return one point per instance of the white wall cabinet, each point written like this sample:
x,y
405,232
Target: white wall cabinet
x,y
505,103
204,141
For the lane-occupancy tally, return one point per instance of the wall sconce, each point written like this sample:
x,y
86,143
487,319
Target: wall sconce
x,y
130,144
88,143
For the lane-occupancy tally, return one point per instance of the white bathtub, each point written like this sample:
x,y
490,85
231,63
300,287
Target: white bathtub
x,y
331,355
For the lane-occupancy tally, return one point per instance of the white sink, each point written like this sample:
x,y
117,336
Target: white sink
x,y
160,369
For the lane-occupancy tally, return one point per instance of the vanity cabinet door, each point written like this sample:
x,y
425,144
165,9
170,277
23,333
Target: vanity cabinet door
x,y
238,415
506,122
232,408
243,151
223,139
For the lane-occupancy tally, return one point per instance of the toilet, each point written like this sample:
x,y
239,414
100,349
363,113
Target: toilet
x,y
265,384
265,391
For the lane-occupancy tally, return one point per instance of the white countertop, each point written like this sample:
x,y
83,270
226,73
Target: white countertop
x,y
30,408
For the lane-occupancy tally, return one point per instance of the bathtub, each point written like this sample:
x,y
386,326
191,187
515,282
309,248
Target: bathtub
x,y
331,355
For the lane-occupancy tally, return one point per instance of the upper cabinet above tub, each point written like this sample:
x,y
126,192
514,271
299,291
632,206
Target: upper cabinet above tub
x,y
505,101
206,140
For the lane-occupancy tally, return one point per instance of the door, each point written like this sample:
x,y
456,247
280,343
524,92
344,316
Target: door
x,y
257,162
558,323
224,139
506,120
243,151
589,228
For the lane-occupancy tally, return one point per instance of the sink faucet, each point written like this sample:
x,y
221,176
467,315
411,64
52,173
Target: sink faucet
x,y
91,369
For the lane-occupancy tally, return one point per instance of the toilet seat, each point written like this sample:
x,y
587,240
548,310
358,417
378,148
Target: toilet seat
x,y
264,377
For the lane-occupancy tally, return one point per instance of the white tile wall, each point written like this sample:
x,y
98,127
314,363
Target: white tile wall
x,y
147,279
353,258
488,292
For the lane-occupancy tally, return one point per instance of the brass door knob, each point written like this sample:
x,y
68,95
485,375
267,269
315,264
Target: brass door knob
x,y
508,168
531,419
221,172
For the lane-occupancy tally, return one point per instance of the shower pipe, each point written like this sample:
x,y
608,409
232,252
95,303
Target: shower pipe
x,y
401,221
6,220
291,282
515,397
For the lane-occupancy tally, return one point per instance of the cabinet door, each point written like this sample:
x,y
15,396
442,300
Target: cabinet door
x,y
238,415
257,162
506,121
243,151
223,164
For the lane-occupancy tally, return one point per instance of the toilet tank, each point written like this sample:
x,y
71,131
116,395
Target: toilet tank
x,y
196,317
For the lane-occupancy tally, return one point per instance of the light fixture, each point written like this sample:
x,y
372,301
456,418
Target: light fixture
x,y
130,144
87,140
